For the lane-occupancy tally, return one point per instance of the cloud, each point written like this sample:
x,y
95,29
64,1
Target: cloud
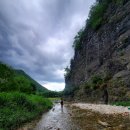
x,y
37,35
55,86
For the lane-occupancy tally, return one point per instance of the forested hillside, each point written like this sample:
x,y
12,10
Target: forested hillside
x,y
20,101
34,83
12,80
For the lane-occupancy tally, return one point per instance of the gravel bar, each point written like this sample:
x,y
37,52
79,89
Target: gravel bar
x,y
102,108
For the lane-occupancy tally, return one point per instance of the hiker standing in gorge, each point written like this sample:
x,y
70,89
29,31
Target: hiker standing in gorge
x,y
61,102
105,93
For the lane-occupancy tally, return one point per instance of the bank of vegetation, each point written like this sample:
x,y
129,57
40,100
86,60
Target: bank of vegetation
x,y
20,101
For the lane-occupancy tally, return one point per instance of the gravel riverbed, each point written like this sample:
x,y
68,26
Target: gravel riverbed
x,y
102,108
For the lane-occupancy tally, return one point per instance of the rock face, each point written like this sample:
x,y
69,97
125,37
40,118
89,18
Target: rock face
x,y
104,52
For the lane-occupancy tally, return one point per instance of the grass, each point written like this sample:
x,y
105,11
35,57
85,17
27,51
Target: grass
x,y
127,103
21,99
78,39
17,108
96,15
54,99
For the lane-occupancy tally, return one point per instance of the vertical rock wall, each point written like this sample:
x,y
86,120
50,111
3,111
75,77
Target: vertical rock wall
x,y
104,52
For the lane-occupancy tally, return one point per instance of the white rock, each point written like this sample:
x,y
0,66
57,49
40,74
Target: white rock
x,y
103,109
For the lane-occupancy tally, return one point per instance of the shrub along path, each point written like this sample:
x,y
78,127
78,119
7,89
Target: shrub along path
x,y
18,108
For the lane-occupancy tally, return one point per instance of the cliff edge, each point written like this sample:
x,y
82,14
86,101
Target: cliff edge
x,y
101,62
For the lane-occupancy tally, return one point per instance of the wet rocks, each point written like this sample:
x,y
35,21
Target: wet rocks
x,y
104,124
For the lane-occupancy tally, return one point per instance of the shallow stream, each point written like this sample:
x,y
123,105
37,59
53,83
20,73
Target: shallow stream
x,y
73,118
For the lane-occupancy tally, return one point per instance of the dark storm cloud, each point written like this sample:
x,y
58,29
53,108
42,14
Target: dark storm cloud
x,y
37,35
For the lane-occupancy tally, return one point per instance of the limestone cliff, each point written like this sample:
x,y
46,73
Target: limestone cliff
x,y
103,58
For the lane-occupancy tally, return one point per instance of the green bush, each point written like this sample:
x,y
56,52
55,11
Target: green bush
x,y
67,72
96,81
96,14
17,102
5,71
41,102
17,83
10,81
23,84
118,1
127,103
12,118
17,108
78,39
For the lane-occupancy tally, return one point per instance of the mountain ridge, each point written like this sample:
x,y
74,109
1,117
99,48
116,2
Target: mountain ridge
x,y
39,86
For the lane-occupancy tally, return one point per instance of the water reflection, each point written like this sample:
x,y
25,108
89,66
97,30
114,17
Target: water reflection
x,y
58,118
62,109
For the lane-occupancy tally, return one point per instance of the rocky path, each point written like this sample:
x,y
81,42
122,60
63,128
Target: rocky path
x,y
81,116
101,117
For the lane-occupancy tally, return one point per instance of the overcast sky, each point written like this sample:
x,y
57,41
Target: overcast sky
x,y
37,36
